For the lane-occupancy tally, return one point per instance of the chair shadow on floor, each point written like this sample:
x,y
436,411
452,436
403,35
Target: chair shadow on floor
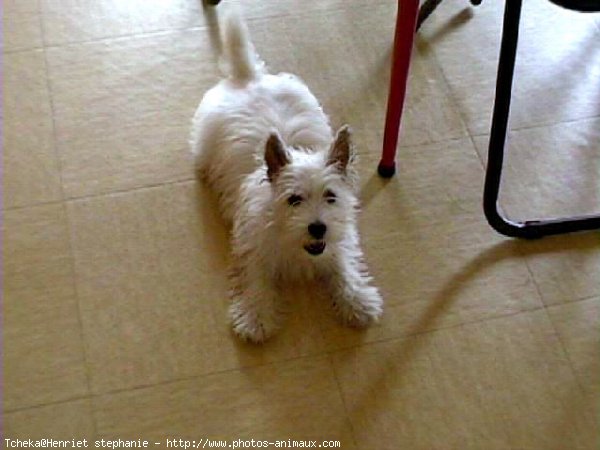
x,y
394,366
458,20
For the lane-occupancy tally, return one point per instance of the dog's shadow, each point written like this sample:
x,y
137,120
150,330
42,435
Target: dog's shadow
x,y
215,230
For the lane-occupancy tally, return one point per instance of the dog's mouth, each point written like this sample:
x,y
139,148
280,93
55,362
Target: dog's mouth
x,y
315,248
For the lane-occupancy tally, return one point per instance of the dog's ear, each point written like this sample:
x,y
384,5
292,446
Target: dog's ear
x,y
342,150
275,156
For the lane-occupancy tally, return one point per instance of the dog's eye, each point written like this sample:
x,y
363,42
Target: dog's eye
x,y
330,196
294,200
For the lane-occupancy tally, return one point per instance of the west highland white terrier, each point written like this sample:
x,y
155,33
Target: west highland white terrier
x,y
287,185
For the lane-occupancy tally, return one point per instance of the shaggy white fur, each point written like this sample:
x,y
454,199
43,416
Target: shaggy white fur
x,y
287,186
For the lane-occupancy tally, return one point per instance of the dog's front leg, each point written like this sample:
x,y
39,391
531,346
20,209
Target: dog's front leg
x,y
355,301
255,308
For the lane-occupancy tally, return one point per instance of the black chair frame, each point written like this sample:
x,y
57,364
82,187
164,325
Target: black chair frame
x,y
530,229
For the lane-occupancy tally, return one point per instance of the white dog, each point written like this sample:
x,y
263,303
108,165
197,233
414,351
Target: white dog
x,y
287,185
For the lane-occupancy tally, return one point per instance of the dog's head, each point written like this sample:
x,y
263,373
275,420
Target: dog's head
x,y
313,191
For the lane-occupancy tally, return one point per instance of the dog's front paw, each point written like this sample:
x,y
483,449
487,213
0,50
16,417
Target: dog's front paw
x,y
359,309
249,324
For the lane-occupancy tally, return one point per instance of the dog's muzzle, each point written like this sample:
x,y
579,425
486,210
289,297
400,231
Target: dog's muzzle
x,y
315,248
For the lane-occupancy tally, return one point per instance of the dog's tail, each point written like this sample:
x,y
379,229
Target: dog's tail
x,y
243,64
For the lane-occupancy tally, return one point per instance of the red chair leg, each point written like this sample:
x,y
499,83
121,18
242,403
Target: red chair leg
x,y
406,21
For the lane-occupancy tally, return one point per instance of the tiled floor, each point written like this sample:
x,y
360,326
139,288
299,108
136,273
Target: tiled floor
x,y
115,257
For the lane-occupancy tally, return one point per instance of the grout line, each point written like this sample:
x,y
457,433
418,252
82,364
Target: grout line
x,y
124,37
565,352
185,378
46,404
82,344
442,328
576,300
322,354
541,125
14,51
175,30
191,178
521,251
101,194
71,199
533,279
93,395
451,97
129,190
480,157
341,394
187,179
431,142
33,205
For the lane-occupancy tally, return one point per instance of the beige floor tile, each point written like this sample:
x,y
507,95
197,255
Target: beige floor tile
x,y
67,21
504,383
577,327
152,281
440,174
43,354
31,173
350,73
557,65
20,6
565,268
123,109
22,27
294,400
146,281
71,421
291,7
551,171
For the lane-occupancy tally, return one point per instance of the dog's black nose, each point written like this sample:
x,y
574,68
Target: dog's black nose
x,y
317,229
